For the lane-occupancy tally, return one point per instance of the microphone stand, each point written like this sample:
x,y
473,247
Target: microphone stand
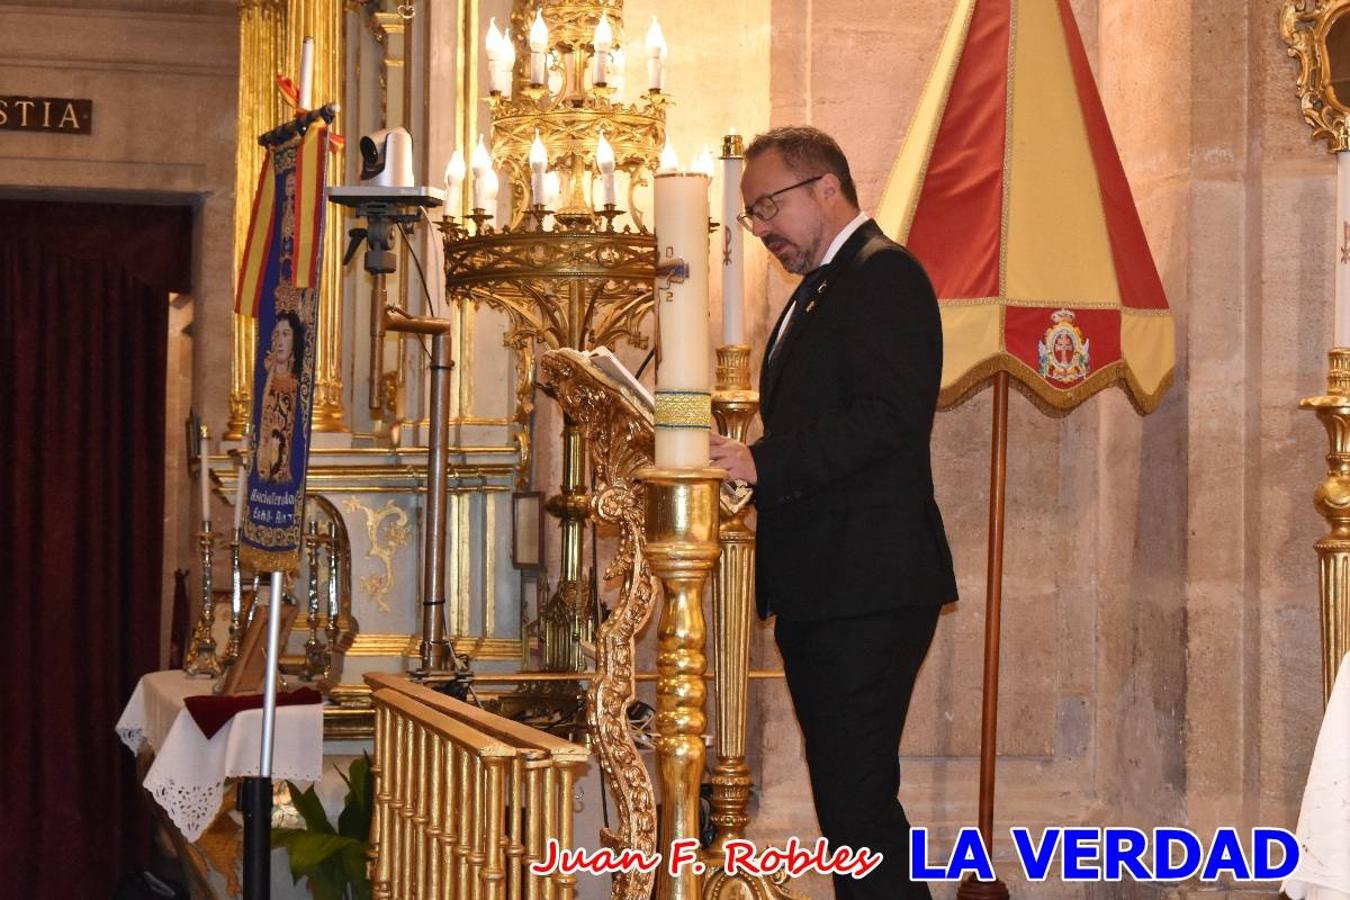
x,y
255,793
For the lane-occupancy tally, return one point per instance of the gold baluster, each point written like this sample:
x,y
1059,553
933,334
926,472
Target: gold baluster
x,y
494,872
515,849
379,847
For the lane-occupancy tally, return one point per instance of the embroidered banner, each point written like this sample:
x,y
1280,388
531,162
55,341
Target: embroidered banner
x,y
277,286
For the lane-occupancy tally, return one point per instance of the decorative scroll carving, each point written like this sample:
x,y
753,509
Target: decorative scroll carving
x,y
1304,25
621,438
387,529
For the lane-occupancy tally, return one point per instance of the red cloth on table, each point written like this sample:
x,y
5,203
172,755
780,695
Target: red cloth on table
x,y
211,712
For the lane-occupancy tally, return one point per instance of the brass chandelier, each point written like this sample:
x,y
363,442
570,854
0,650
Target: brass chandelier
x,y
560,255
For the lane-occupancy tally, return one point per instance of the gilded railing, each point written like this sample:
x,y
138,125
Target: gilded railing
x,y
465,801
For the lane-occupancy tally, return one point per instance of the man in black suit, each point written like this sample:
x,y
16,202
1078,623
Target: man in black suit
x,y
852,556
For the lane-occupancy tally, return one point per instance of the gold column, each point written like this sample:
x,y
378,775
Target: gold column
x,y
262,54
325,21
681,517
1332,500
734,407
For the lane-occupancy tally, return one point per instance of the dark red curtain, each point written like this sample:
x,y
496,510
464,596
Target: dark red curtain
x,y
84,291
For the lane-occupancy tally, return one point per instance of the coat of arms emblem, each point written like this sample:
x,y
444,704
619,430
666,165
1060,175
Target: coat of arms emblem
x,y
1064,352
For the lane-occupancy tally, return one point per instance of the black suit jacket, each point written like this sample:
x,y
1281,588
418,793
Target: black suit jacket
x,y
848,524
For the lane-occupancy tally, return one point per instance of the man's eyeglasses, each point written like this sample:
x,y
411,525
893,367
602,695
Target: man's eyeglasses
x,y
766,207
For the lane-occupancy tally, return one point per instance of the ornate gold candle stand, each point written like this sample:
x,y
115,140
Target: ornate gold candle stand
x,y
734,407
236,602
681,507
1332,500
201,657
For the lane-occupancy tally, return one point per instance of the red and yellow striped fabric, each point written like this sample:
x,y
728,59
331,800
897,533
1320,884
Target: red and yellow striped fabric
x,y
258,244
311,166
1010,190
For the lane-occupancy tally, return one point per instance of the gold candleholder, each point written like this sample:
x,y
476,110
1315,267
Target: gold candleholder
x,y
680,508
734,407
333,604
236,600
201,657
1332,500
314,650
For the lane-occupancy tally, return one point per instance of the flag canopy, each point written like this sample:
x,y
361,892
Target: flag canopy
x,y
1010,191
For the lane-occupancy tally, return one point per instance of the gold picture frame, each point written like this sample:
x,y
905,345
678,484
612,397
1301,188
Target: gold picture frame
x,y
1317,33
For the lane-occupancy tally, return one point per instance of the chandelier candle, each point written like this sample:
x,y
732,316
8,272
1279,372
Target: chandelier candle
x,y
733,242
603,42
538,168
454,184
656,58
683,383
604,160
538,50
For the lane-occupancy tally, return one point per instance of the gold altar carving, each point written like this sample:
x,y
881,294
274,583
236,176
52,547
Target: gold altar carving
x,y
383,546
620,434
1317,33
270,32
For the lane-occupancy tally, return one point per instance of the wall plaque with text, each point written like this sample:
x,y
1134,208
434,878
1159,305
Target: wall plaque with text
x,y
60,114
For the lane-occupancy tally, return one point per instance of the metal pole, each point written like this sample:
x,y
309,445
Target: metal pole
x,y
255,794
435,649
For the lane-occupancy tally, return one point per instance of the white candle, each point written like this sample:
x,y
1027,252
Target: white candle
x,y
306,72
204,477
1341,336
552,188
656,57
454,184
482,167
491,186
538,50
240,483
604,159
733,249
683,376
618,61
508,64
493,47
603,42
538,166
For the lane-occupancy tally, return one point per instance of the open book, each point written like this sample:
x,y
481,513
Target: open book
x,y
604,359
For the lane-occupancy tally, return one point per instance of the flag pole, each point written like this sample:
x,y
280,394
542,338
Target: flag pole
x,y
970,888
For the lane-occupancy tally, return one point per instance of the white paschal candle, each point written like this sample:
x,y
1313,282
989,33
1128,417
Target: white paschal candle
x,y
683,375
733,244
603,43
604,159
204,477
656,57
1341,321
538,50
538,167
491,185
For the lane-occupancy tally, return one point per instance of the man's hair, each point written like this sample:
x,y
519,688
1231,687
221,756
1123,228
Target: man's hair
x,y
807,151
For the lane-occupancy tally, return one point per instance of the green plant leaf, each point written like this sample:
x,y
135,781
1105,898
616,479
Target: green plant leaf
x,y
354,820
310,808
310,851
354,868
327,882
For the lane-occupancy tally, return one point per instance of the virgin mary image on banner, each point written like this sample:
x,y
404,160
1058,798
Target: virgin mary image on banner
x,y
283,363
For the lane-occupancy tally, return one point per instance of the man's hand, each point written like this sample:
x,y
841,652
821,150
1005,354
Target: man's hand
x,y
735,457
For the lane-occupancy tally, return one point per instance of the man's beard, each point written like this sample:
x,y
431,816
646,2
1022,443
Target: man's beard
x,y
797,260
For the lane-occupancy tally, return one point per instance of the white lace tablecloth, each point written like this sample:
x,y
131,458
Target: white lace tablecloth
x,y
1323,871
188,775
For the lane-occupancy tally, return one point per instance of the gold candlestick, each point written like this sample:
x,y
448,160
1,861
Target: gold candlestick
x,y
201,657
313,647
236,601
1332,500
681,525
734,407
